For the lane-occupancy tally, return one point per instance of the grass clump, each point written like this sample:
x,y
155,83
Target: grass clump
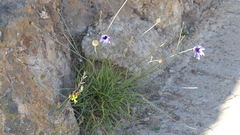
x,y
107,95
104,92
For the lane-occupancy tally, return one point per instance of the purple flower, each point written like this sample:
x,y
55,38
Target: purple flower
x,y
198,51
104,39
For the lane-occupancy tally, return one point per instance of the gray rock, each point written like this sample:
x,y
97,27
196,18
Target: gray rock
x,y
33,67
128,47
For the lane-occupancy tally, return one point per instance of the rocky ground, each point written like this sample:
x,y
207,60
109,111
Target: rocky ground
x,y
34,67
212,108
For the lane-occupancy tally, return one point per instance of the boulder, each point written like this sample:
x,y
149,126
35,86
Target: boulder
x,y
129,44
33,69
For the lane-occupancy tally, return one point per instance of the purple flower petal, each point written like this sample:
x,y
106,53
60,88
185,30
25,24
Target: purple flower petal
x,y
105,39
198,50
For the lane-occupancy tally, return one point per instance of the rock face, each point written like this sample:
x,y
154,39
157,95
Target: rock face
x,y
128,44
33,67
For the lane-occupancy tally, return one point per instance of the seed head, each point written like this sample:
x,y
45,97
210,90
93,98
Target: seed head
x,y
95,43
158,20
160,61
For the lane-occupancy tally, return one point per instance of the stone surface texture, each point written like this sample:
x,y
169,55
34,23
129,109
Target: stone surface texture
x,y
34,68
199,97
128,45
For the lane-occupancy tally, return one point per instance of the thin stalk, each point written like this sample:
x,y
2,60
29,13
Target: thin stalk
x,y
180,52
155,107
52,38
149,28
56,40
143,60
116,15
65,24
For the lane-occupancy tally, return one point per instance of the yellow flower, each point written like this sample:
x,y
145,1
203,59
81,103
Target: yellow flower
x,y
74,97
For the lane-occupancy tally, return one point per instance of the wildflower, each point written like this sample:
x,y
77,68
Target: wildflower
x,y
198,51
74,97
104,39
